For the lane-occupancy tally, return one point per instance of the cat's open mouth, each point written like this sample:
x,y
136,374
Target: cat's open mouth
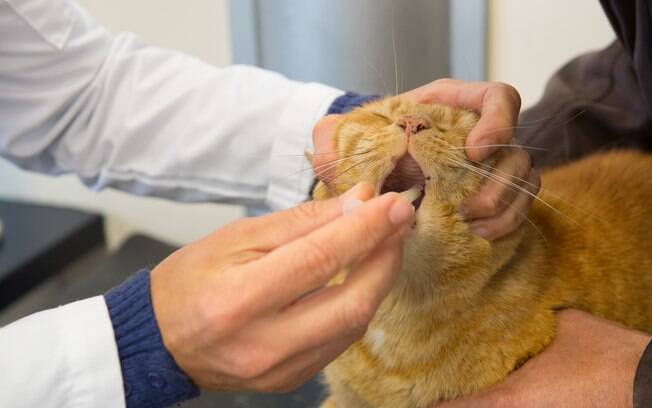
x,y
405,175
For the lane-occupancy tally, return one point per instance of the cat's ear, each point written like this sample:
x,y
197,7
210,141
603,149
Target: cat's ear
x,y
308,155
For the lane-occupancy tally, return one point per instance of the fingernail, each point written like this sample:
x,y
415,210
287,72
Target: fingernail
x,y
350,204
350,199
401,211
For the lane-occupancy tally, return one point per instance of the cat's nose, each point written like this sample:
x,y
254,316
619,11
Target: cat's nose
x,y
412,124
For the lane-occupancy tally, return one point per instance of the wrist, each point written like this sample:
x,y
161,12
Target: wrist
x,y
348,101
150,375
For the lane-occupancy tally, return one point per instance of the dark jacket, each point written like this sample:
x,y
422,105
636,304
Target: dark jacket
x,y
600,101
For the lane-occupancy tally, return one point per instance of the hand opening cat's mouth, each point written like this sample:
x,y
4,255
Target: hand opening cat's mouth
x,y
406,174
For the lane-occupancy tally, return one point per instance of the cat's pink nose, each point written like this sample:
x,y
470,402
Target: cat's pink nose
x,y
412,124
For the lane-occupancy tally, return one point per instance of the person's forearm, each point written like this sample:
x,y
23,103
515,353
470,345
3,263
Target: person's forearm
x,y
150,375
63,357
149,120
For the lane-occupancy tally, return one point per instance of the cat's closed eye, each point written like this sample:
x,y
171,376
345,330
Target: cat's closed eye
x,y
381,116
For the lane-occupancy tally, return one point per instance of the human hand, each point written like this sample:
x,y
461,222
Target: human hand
x,y
590,363
497,209
246,308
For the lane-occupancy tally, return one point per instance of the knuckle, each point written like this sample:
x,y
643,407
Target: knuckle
x,y
359,314
510,92
491,204
227,313
513,220
321,259
535,180
525,158
367,233
226,317
250,364
305,211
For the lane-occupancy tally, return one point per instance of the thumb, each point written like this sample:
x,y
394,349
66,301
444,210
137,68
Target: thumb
x,y
323,137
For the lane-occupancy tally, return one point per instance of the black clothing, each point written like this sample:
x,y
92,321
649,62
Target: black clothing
x,y
643,380
599,100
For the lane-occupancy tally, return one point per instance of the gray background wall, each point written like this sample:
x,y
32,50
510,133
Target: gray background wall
x,y
370,46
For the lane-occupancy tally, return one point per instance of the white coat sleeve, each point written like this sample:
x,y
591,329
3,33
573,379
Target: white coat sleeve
x,y
63,357
118,113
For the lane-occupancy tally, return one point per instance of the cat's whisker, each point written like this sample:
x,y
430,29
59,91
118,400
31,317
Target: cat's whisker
x,y
541,188
500,145
528,127
513,185
325,166
385,87
303,155
343,172
334,163
394,48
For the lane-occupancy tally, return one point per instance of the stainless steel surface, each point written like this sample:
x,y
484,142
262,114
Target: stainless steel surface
x,y
344,43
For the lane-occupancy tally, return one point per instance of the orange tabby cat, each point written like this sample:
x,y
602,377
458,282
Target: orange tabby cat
x,y
466,312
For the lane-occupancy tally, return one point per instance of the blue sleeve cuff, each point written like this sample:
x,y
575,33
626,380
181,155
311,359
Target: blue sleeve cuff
x,y
348,101
150,375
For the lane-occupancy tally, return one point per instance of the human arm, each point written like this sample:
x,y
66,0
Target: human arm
x,y
118,113
591,362
244,308
61,356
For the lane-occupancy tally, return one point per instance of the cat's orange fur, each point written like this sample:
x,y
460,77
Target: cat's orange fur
x,y
466,312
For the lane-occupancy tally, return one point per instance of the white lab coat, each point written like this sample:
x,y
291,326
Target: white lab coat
x,y
74,98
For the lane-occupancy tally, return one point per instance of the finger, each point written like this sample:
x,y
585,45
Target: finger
x,y
506,222
501,105
278,228
340,310
299,368
310,262
498,191
497,103
323,137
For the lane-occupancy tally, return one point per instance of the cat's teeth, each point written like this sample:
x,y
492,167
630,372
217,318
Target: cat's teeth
x,y
412,193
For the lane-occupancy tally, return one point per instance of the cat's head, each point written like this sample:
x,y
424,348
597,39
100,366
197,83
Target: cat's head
x,y
395,144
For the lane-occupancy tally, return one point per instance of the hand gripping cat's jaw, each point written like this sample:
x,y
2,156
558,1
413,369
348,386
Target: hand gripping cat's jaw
x,y
396,145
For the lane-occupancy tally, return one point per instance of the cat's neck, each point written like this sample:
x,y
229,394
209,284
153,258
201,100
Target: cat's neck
x,y
446,266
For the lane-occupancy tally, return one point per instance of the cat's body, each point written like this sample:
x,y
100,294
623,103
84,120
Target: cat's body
x,y
466,312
